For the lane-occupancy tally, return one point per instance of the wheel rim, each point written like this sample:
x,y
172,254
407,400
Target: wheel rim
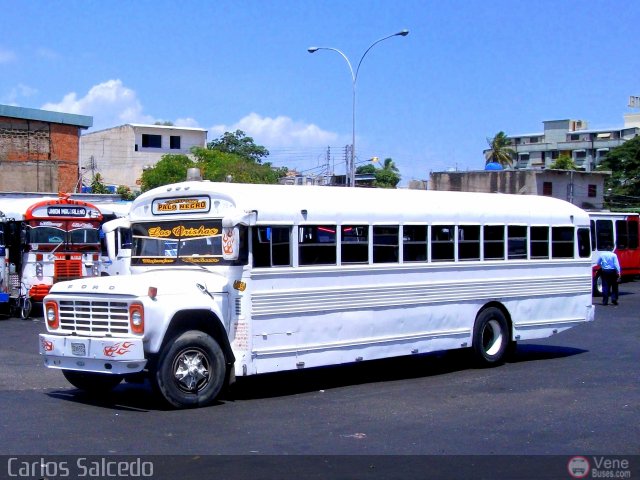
x,y
192,370
492,337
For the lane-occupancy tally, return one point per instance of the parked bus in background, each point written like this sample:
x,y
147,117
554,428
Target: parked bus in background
x,y
234,280
115,239
46,241
618,232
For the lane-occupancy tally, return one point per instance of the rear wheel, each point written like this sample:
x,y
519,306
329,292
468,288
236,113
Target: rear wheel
x,y
191,370
491,337
91,382
597,285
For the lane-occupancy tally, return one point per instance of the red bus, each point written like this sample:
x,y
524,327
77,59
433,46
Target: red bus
x,y
54,239
618,232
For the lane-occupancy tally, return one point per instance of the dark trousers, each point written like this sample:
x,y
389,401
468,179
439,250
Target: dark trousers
x,y
609,285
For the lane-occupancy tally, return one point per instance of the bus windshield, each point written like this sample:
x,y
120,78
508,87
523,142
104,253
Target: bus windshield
x,y
73,234
180,243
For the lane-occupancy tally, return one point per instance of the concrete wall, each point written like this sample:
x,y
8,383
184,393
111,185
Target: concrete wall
x,y
118,155
572,186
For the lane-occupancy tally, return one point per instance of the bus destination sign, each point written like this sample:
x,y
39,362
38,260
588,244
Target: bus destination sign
x,y
66,211
174,206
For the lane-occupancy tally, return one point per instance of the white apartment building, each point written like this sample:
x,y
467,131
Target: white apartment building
x,y
587,147
120,154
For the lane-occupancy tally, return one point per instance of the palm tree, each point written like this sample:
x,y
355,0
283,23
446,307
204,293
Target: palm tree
x,y
390,166
499,150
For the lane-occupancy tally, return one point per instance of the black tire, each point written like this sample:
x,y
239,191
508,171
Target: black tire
x,y
491,337
25,310
90,382
191,370
597,285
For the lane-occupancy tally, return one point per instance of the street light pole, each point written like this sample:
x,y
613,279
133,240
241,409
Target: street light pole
x,y
354,79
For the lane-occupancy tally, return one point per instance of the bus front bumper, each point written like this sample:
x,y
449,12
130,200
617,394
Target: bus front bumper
x,y
90,354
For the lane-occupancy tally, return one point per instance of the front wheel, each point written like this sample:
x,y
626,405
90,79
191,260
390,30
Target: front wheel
x,y
94,383
25,309
191,370
491,337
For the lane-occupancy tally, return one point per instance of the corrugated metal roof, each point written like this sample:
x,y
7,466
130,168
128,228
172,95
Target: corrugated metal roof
x,y
82,121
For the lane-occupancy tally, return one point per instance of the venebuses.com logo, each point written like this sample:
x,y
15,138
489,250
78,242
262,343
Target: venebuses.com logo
x,y
599,467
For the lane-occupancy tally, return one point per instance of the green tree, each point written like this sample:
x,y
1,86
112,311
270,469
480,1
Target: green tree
x,y
387,176
125,192
237,142
499,150
215,165
97,185
624,163
563,162
170,169
221,166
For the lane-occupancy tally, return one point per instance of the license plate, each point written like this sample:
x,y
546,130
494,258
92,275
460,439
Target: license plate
x,y
78,349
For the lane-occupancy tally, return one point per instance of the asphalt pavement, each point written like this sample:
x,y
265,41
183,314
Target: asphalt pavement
x,y
575,393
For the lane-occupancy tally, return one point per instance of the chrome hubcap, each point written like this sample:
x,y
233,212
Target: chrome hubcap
x,y
191,370
492,337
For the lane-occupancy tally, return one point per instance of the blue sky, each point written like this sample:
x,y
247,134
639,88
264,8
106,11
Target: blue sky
x,y
467,70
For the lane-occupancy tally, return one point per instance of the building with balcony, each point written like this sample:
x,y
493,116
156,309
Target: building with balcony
x,y
120,154
585,146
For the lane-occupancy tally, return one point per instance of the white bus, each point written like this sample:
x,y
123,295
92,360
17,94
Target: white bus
x,y
233,280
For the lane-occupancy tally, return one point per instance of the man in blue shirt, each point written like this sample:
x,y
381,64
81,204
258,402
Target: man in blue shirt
x,y
609,272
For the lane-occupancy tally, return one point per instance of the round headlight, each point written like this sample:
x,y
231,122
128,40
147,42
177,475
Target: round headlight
x,y
136,318
51,315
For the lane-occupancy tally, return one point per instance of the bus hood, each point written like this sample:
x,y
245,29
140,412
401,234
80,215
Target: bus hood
x,y
175,281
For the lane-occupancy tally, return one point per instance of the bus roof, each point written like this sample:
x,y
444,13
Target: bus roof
x,y
16,208
286,203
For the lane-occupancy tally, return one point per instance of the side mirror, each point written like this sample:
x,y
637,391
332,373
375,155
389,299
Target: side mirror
x,y
230,243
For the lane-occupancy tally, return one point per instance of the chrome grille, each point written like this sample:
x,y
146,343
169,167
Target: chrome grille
x,y
89,316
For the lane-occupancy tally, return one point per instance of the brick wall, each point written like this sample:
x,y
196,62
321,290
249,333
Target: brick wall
x,y
38,156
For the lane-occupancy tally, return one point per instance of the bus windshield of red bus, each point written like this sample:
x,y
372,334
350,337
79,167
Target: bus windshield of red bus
x,y
74,234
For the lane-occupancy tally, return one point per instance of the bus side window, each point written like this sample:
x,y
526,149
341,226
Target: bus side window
x,y
271,246
493,242
633,234
442,243
604,235
539,242
562,242
355,243
385,244
317,245
415,244
622,240
516,242
469,242
584,247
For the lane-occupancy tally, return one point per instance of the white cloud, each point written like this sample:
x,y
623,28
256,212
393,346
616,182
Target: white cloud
x,y
6,56
17,92
279,132
47,53
187,122
110,103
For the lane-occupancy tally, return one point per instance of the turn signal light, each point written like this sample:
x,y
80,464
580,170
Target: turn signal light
x,y
51,314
